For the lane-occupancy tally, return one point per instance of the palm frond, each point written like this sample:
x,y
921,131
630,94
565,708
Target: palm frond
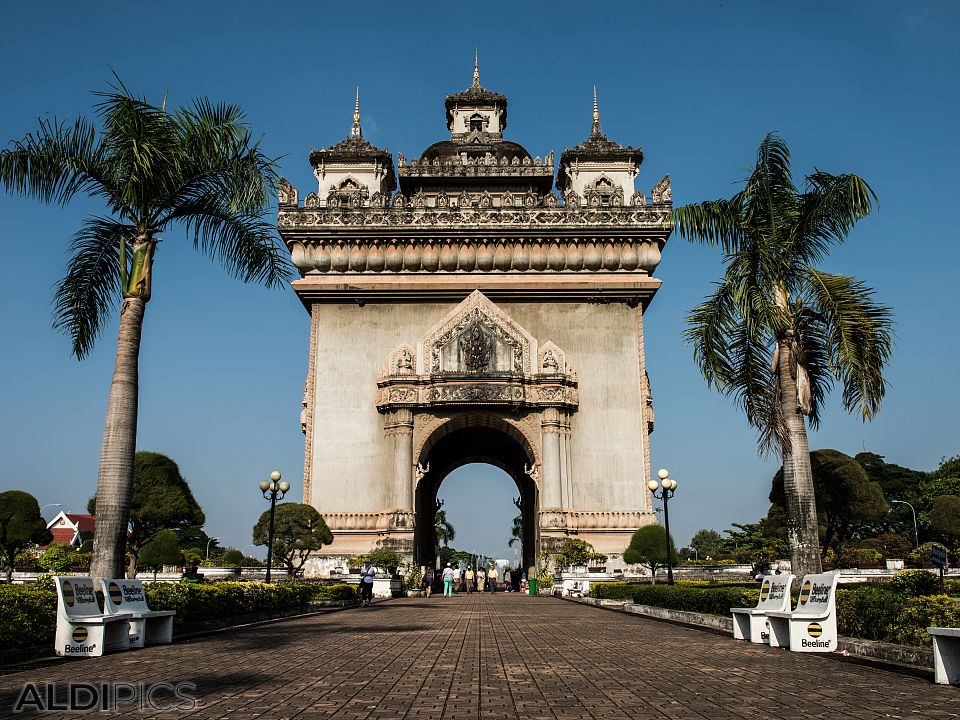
x,y
91,288
244,243
811,335
859,337
829,208
772,435
56,163
713,222
708,328
143,147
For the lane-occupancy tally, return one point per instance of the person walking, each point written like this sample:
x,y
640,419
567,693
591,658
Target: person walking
x,y
481,579
427,582
367,574
507,581
492,577
470,577
448,581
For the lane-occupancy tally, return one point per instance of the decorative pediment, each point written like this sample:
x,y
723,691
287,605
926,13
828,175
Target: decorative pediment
x,y
478,337
477,355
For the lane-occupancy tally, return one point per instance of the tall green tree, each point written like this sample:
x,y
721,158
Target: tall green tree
x,y
945,518
707,543
648,547
299,530
848,502
21,525
162,549
196,170
778,332
161,500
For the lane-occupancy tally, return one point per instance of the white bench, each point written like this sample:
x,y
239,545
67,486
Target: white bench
x,y
82,629
751,623
812,626
946,655
146,626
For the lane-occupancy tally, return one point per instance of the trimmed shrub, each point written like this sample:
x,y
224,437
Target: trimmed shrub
x,y
916,583
869,613
921,613
612,590
29,615
331,593
713,601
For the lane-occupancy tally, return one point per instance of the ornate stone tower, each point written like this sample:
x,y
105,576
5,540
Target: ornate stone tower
x,y
474,316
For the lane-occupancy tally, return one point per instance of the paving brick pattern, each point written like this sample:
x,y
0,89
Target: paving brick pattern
x,y
493,657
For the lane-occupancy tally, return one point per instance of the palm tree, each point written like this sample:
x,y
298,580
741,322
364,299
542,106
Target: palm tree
x,y
516,531
198,169
443,530
778,332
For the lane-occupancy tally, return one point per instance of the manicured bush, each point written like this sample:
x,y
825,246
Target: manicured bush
x,y
869,613
612,590
713,601
29,615
208,601
331,593
915,582
921,613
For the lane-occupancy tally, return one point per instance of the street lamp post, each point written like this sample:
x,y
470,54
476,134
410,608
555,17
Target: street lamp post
x,y
916,535
49,505
273,490
668,486
210,540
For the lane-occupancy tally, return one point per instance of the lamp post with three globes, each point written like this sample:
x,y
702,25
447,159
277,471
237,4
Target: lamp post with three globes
x,y
668,486
273,490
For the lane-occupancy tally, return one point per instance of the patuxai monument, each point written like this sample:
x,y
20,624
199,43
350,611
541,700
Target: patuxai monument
x,y
477,304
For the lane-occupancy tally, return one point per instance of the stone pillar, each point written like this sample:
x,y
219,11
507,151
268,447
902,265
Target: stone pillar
x,y
550,428
566,472
400,426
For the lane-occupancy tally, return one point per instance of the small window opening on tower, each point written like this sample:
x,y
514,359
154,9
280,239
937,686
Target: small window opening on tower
x,y
476,122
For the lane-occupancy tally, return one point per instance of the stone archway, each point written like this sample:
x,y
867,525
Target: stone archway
x,y
475,438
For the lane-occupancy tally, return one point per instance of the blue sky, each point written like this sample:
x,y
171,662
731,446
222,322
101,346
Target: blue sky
x,y
866,87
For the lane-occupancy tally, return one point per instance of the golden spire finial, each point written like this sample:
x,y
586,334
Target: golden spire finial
x,y
355,131
596,110
476,67
356,107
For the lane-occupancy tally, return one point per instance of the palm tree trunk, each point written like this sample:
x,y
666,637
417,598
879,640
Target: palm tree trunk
x,y
115,479
800,505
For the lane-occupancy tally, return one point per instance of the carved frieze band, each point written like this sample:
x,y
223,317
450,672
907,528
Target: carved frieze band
x,y
370,521
403,215
476,255
599,520
523,391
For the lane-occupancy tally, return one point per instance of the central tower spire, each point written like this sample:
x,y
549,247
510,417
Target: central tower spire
x,y
596,130
476,68
356,131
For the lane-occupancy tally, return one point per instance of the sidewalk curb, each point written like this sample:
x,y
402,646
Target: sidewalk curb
x,y
899,658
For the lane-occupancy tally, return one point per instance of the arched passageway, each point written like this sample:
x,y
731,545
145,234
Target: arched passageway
x,y
474,440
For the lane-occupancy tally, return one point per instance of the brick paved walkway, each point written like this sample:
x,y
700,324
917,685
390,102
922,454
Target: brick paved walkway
x,y
506,656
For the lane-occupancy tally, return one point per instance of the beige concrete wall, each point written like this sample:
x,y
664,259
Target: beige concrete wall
x,y
607,468
352,463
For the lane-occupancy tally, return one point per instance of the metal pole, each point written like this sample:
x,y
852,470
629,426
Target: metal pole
x,y
273,507
666,525
916,534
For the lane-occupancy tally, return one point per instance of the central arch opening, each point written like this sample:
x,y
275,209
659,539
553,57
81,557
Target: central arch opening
x,y
467,440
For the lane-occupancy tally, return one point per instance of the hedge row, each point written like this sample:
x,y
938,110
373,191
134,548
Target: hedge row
x,y
868,612
29,616
29,612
